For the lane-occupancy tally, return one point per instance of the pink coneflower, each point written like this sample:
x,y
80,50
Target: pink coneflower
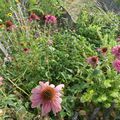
x,y
93,60
103,50
48,97
116,51
33,16
1,80
26,50
116,65
9,25
50,19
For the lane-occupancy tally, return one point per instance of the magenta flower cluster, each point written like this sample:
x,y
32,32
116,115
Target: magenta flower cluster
x,y
116,53
50,19
93,60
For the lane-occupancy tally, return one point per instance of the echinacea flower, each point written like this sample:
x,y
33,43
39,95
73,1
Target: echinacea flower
x,y
26,50
116,65
1,80
48,97
33,16
50,19
93,60
103,50
116,51
9,25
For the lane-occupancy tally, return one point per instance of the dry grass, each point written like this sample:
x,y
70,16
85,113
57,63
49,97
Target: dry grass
x,y
74,7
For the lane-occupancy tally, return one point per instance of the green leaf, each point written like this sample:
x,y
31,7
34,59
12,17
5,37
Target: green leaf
x,y
107,83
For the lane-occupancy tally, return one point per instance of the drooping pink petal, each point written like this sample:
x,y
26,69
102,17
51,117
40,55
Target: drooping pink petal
x,y
51,85
35,103
56,107
46,108
59,87
35,96
36,90
116,65
116,51
59,100
42,84
47,83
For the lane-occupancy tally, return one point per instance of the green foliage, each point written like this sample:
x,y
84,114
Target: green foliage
x,y
13,108
97,26
5,6
45,6
63,61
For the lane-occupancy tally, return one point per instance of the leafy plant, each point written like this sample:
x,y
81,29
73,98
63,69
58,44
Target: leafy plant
x,y
42,52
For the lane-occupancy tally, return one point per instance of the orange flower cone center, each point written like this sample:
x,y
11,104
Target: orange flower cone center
x,y
48,93
9,23
104,50
94,59
33,16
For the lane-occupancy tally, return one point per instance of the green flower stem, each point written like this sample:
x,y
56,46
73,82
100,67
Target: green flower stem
x,y
18,87
3,93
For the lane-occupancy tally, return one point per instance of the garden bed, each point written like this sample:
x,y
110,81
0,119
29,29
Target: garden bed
x,y
55,67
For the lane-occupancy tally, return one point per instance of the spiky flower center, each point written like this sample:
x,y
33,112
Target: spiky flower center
x,y
48,93
9,23
33,16
94,59
104,50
